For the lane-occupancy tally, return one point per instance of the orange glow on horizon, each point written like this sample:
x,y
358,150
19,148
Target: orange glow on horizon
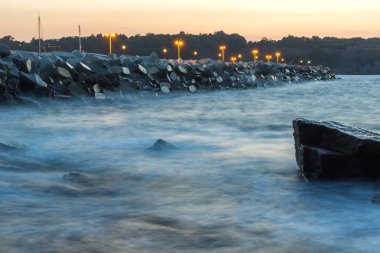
x,y
297,17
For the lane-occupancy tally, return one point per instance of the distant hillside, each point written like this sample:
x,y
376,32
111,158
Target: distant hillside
x,y
344,56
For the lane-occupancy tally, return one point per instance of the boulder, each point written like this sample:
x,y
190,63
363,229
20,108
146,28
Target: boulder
x,y
333,150
5,51
29,81
24,64
62,73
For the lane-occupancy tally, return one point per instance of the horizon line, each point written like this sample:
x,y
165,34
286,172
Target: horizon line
x,y
186,34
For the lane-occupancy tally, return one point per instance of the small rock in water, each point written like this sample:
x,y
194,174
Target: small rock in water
x,y
165,89
192,88
6,147
100,96
161,145
78,178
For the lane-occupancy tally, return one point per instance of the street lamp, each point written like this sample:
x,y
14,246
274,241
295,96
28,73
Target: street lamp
x,y
222,48
278,54
255,52
124,47
233,59
240,56
110,36
195,53
164,51
301,61
282,60
268,57
309,62
179,44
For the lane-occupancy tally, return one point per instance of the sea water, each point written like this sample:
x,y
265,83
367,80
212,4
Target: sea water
x,y
232,184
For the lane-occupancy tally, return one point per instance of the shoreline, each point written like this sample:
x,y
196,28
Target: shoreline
x,y
74,74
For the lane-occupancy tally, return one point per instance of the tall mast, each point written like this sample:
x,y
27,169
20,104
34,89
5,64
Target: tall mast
x,y
80,39
39,34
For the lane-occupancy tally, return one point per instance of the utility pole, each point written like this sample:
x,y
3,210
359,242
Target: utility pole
x,y
39,34
80,39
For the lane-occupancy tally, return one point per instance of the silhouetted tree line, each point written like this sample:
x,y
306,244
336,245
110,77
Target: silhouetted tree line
x,y
344,56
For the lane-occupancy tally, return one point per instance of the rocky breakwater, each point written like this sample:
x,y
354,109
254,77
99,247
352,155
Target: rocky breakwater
x,y
75,74
334,150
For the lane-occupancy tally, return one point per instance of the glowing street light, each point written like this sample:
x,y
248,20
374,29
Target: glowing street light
x,y
233,59
195,53
223,48
268,57
255,52
219,55
124,47
282,60
164,51
301,61
278,54
110,36
309,62
179,44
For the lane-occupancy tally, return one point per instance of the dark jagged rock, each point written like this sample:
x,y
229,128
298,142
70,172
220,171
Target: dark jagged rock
x,y
334,150
30,81
24,64
5,51
83,68
161,145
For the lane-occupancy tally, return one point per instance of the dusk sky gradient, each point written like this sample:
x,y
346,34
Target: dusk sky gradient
x,y
250,18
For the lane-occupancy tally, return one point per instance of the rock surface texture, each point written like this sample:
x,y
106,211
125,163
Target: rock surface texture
x,y
334,150
74,74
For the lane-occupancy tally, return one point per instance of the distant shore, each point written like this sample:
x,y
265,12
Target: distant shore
x,y
350,56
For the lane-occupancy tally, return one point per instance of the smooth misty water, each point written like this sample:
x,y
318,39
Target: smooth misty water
x,y
231,186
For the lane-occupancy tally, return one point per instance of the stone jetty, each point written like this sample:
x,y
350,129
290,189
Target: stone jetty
x,y
333,150
75,74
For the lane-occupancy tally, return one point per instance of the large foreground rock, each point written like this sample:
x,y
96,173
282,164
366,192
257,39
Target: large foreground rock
x,y
334,150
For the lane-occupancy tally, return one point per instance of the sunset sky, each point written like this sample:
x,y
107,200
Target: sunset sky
x,y
250,18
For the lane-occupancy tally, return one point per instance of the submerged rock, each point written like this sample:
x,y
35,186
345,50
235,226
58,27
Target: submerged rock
x,y
6,147
161,145
334,150
79,178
